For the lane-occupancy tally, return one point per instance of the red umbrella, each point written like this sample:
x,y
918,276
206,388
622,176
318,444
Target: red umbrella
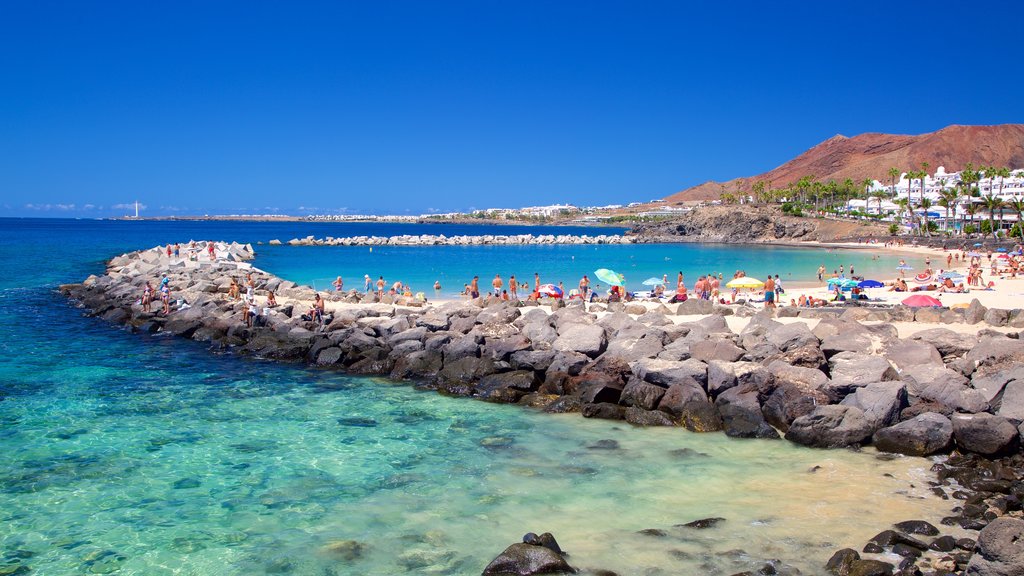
x,y
919,300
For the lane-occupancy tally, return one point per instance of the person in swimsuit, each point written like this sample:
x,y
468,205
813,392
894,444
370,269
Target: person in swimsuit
x,y
147,297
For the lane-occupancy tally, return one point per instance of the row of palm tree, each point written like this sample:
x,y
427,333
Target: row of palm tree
x,y
827,196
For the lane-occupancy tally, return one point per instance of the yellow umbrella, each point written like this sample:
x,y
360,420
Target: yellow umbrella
x,y
744,282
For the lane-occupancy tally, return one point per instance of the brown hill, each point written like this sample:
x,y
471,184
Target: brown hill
x,y
871,155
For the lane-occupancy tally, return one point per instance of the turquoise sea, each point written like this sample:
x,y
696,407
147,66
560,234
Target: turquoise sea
x,y
129,454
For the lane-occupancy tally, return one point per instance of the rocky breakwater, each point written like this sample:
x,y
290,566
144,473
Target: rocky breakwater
x,y
442,240
844,381
751,225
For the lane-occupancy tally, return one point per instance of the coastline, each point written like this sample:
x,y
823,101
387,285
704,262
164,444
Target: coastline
x,y
707,368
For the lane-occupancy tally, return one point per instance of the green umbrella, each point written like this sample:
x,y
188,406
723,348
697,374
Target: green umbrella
x,y
610,277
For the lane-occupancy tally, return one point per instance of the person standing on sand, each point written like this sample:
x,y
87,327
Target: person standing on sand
x,y
497,284
584,286
769,293
513,287
821,273
474,288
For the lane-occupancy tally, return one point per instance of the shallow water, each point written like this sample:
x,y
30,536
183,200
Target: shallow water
x,y
130,454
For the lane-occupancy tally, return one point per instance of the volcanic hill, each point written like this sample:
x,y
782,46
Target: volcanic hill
x,y
871,155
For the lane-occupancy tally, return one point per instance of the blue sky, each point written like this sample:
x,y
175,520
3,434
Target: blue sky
x,y
396,107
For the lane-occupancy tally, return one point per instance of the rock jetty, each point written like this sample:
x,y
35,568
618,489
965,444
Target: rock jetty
x,y
442,240
844,380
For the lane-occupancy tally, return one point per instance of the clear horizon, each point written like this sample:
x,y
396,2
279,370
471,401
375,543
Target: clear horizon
x,y
410,108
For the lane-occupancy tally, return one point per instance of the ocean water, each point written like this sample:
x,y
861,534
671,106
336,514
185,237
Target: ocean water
x,y
129,454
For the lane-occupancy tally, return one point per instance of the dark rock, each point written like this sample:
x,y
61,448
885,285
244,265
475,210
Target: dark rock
x,y
700,416
604,410
920,436
788,402
703,523
830,427
985,434
881,403
1000,550
1011,406
679,394
840,562
906,353
641,394
525,560
917,527
851,370
741,415
667,372
641,417
943,544
506,387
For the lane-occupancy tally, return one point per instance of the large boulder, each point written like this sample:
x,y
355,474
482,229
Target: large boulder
x,y
851,370
506,386
524,559
641,394
846,342
640,417
1000,549
985,434
881,402
922,435
906,353
786,337
741,415
700,416
631,349
716,349
586,339
1012,404
991,381
931,383
947,342
679,394
787,402
830,427
667,372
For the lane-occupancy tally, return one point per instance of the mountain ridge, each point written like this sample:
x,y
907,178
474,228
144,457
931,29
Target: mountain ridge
x,y
871,154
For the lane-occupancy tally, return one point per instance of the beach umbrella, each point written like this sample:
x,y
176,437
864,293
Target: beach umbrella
x,y
1007,256
923,278
844,283
974,254
870,284
904,267
744,282
1002,250
652,281
978,245
951,275
550,290
610,277
921,300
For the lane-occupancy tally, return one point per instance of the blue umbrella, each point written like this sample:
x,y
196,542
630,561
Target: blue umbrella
x,y
904,267
652,281
974,255
1001,250
870,284
977,245
951,275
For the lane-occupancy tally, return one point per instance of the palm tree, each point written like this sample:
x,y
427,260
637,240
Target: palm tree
x,y
893,173
968,177
1017,205
993,203
923,174
947,199
1003,172
926,203
970,210
904,204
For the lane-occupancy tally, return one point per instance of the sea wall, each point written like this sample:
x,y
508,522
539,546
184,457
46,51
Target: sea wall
x,y
442,240
848,381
